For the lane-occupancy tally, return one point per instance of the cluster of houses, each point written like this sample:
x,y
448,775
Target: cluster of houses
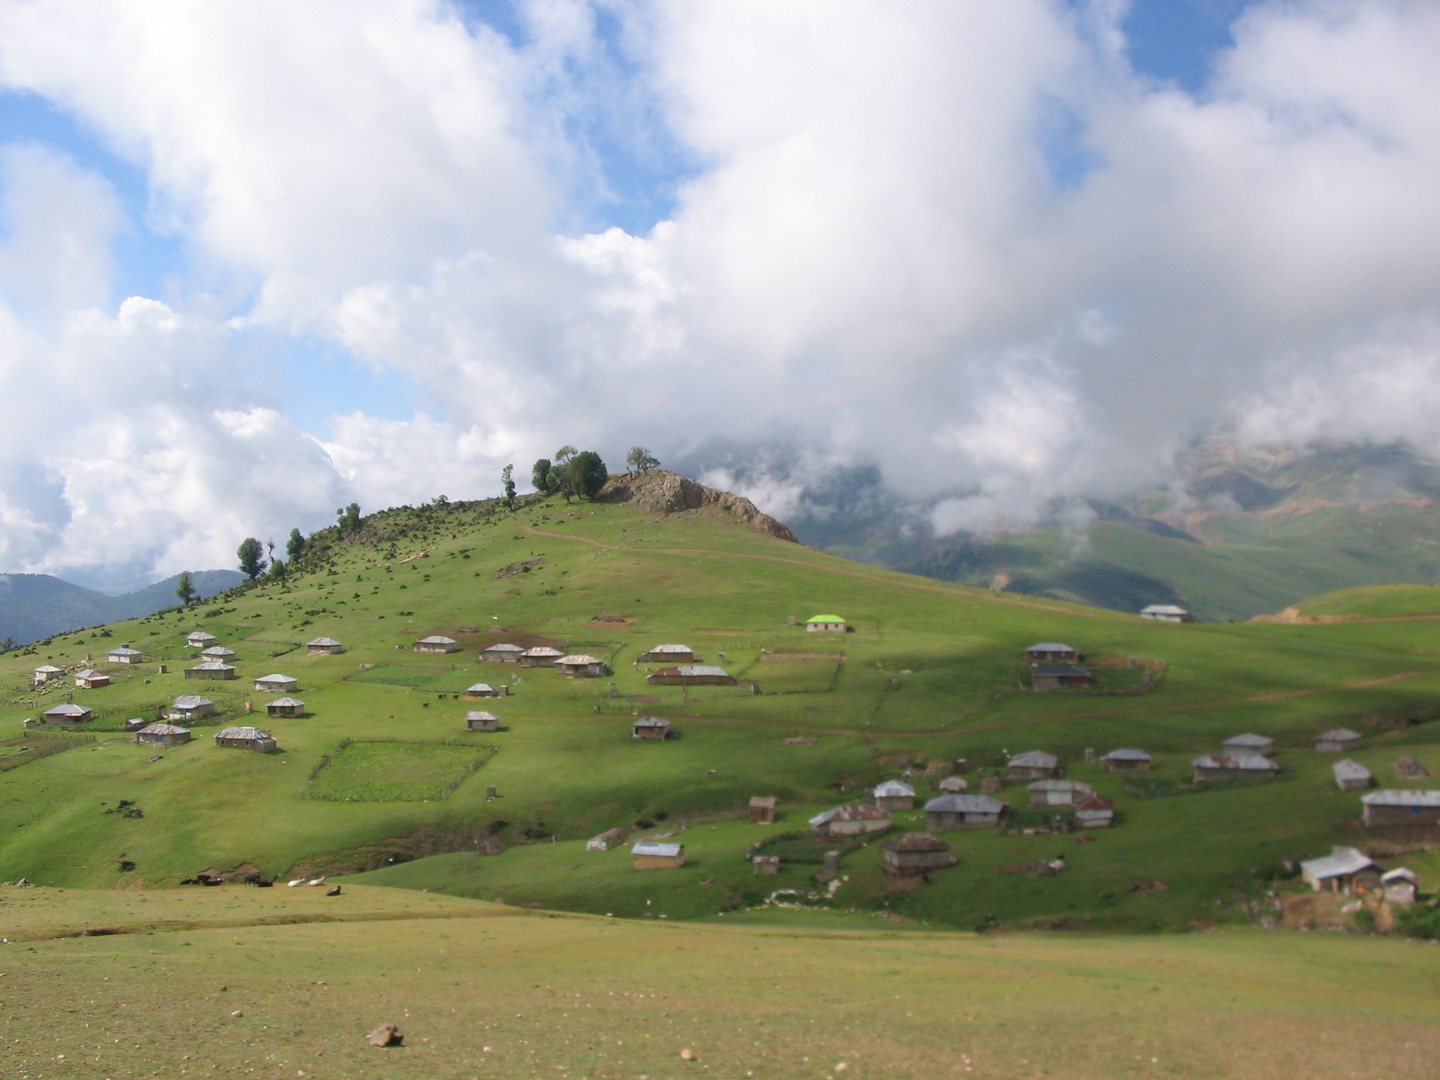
x,y
1349,871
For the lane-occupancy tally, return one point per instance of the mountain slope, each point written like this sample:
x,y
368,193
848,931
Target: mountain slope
x,y
35,606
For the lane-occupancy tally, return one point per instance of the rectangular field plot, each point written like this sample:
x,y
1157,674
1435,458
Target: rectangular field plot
x,y
394,771
809,676
445,680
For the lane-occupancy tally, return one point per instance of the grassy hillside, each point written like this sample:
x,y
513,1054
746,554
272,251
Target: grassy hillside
x,y
1376,602
284,983
931,673
35,606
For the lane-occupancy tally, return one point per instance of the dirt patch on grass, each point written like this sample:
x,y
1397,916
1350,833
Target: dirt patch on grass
x,y
610,622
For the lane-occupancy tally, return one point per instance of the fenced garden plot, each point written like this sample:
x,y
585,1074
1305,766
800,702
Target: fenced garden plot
x,y
22,751
394,771
802,846
430,678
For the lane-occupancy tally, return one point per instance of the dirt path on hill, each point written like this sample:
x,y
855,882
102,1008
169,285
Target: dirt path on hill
x,y
941,589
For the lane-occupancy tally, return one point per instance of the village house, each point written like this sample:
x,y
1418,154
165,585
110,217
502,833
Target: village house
x,y
608,839
539,656
649,855
218,653
436,643
190,707
766,864
482,721
1125,760
245,738
762,809
952,784
1052,652
1034,765
1058,792
1234,767
964,812
135,723
286,706
915,854
691,675
1094,812
1351,775
1398,807
582,666
124,654
1338,741
651,728
895,795
667,654
1059,678
1166,613
68,714
503,653
161,735
825,624
1401,886
1345,870
90,679
45,672
481,689
849,821
210,669
199,639
1248,744
324,646
277,684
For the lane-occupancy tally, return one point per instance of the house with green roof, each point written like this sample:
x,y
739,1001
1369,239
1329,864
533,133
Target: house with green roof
x,y
825,624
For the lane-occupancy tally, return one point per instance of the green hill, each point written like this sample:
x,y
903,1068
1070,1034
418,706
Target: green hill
x,y
381,776
1376,602
36,606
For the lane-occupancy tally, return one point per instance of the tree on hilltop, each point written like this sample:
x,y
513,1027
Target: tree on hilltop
x,y
251,554
185,589
639,460
507,477
295,546
540,475
586,474
349,519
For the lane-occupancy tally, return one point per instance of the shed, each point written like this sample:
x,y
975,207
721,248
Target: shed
x,y
539,656
481,689
1338,741
952,784
825,624
1344,870
161,735
199,639
218,652
766,864
190,707
667,654
1166,613
125,655
1249,744
1094,812
849,820
650,727
482,721
46,672
1065,677
67,714
1351,775
277,684
1395,807
286,706
1234,767
762,809
915,854
1058,792
583,665
211,669
324,646
1125,760
436,643
90,679
1052,652
245,738
964,812
502,653
895,795
649,855
608,839
1034,765
691,675
1401,886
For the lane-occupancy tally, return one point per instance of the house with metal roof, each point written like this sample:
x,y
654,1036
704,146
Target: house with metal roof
x,y
651,855
762,809
1249,744
1401,808
825,624
849,820
915,854
964,812
436,643
219,653
324,646
503,653
1166,613
45,672
90,679
277,684
1062,677
895,795
123,654
1344,870
190,707
1094,812
211,669
1400,886
201,639
67,714
1234,767
286,706
539,656
160,735
482,721
1125,760
245,738
691,675
481,689
1351,775
952,784
651,728
1052,652
582,666
1338,741
667,654
1033,765
1058,792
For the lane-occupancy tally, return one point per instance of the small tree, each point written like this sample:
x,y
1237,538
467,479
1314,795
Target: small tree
x,y
349,519
251,554
540,475
185,589
295,546
640,460
586,474
507,477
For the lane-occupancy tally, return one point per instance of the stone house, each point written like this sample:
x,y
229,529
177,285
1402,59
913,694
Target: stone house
x,y
1065,677
1125,760
582,666
650,728
161,735
1249,744
895,795
218,653
324,646
762,809
964,812
436,643
245,738
1052,652
849,821
667,654
915,854
1033,765
277,684
124,654
540,656
190,707
502,653
199,639
482,721
1351,775
1338,741
286,706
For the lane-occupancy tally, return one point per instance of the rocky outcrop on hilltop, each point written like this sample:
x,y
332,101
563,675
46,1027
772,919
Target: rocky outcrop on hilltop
x,y
664,492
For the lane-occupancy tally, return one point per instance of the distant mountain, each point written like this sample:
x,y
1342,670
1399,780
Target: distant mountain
x,y
37,606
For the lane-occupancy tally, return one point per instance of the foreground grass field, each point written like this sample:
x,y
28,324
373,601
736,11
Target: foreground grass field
x,y
217,983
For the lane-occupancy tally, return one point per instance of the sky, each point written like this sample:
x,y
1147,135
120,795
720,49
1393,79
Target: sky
x,y
260,260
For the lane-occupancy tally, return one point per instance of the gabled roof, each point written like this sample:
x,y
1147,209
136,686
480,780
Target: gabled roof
x,y
322,642
1051,646
1126,755
651,721
894,789
162,729
88,673
1258,742
1251,762
538,650
1034,759
850,813
1339,734
66,710
287,703
579,658
436,639
650,847
504,646
1093,803
1342,862
824,618
1393,797
1400,873
1346,769
481,715
191,701
245,732
965,804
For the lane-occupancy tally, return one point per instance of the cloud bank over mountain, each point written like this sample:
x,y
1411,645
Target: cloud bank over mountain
x,y
967,246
